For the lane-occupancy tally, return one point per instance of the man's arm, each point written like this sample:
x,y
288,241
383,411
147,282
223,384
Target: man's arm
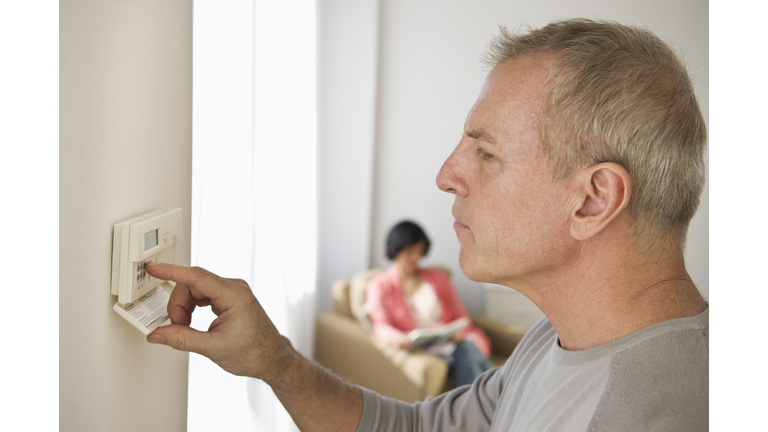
x,y
243,341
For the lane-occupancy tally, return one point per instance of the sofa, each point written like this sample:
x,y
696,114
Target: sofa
x,y
345,344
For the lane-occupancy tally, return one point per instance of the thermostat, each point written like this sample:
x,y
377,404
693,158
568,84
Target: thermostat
x,y
152,237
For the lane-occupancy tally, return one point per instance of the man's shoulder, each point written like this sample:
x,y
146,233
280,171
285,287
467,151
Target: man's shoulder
x,y
657,378
674,353
660,382
668,345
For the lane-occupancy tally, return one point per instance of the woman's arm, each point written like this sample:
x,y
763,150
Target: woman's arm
x,y
381,310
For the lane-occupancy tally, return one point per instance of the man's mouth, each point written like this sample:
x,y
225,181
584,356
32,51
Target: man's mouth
x,y
458,225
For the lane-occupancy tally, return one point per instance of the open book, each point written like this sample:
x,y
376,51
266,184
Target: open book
x,y
425,337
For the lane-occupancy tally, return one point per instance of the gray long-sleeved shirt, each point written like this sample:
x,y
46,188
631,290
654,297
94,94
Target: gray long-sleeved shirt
x,y
656,379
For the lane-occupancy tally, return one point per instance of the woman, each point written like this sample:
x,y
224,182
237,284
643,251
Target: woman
x,y
406,297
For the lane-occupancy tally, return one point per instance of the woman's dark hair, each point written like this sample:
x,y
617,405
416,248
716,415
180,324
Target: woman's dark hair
x,y
404,234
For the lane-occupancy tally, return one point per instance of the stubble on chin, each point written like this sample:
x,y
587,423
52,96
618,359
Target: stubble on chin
x,y
469,264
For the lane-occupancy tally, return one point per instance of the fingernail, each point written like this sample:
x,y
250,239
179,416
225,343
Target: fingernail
x,y
157,339
152,264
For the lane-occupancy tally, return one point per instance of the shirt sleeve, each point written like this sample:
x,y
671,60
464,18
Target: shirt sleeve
x,y
464,409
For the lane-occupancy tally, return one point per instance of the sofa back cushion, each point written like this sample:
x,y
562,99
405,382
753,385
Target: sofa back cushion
x,y
357,286
340,293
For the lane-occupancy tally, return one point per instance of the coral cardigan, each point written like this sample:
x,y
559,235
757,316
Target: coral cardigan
x,y
391,316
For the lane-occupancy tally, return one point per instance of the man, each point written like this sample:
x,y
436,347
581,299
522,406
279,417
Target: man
x,y
580,167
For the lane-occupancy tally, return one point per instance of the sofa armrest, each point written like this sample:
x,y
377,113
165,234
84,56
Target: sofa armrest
x,y
504,337
342,346
424,370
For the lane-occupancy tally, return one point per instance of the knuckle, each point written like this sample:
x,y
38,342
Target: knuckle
x,y
179,343
202,275
241,282
199,271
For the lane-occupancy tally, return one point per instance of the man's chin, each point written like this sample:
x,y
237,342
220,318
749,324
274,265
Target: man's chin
x,y
470,267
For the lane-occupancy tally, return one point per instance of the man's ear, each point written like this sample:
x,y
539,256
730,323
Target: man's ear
x,y
602,193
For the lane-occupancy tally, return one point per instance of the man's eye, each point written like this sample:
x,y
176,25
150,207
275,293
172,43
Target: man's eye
x,y
483,154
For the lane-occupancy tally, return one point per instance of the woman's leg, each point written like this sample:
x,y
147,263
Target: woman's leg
x,y
468,363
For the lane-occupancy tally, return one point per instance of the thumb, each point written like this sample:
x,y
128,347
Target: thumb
x,y
179,337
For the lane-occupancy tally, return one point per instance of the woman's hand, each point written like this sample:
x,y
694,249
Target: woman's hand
x,y
405,343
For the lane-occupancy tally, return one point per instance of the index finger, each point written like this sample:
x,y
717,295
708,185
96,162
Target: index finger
x,y
197,278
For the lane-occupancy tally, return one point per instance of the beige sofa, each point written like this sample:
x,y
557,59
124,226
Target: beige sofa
x,y
345,345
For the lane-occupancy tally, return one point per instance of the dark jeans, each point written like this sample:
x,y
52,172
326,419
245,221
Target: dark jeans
x,y
466,363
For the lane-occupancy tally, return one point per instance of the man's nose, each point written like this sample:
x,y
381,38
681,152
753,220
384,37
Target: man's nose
x,y
449,178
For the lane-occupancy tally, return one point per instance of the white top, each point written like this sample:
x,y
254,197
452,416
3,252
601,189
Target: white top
x,y
425,307
428,312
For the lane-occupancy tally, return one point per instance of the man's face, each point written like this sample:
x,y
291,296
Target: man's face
x,y
511,218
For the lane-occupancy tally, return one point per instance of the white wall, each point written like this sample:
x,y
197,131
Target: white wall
x,y
429,77
125,149
254,202
347,65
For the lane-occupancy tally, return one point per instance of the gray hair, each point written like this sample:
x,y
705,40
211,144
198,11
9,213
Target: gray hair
x,y
621,95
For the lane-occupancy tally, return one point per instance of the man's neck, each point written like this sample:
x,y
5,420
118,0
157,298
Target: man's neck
x,y
596,301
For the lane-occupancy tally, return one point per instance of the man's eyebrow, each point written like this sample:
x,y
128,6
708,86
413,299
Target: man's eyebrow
x,y
481,135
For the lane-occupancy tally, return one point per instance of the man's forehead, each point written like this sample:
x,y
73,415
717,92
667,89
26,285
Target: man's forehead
x,y
522,80
513,92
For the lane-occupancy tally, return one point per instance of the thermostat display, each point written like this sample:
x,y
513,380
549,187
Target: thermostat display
x,y
151,237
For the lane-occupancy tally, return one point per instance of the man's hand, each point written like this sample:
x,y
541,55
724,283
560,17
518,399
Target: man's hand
x,y
241,340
